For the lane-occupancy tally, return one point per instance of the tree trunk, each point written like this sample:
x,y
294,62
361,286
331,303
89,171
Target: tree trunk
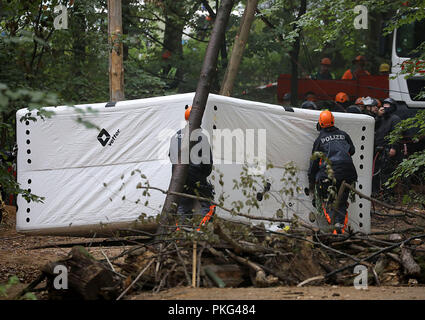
x,y
116,67
178,177
238,48
294,58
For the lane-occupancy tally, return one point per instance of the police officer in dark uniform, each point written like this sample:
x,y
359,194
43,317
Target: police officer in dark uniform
x,y
338,147
200,167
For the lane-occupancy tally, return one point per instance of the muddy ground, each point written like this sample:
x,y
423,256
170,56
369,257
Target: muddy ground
x,y
17,258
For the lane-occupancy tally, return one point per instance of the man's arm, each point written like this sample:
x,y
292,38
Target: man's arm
x,y
314,164
350,142
393,147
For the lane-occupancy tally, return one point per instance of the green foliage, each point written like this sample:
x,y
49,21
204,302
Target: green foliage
x,y
411,169
417,122
13,281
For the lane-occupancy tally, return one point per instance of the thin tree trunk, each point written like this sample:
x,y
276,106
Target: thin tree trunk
x,y
116,67
178,177
294,58
238,48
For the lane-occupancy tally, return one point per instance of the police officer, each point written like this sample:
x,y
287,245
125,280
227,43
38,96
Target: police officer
x,y
338,147
200,167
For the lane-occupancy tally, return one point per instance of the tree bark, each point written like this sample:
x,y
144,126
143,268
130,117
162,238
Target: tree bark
x,y
294,57
88,279
238,48
209,66
411,268
116,67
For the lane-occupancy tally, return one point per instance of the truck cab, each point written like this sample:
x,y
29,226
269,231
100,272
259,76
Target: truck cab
x,y
405,40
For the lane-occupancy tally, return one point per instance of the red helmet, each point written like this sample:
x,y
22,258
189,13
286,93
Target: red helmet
x,y
360,58
326,61
326,119
359,101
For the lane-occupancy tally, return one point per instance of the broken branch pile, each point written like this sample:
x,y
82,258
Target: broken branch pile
x,y
230,254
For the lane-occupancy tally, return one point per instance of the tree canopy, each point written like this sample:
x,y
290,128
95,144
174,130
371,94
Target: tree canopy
x,y
164,46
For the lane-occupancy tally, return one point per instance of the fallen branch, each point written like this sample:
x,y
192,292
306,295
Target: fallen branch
x,y
362,261
260,276
362,195
135,280
310,280
32,285
411,268
231,211
223,235
183,264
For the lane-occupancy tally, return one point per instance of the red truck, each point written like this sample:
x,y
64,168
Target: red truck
x,y
373,86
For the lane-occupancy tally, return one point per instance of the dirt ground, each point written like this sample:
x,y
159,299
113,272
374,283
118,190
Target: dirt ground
x,y
17,258
288,293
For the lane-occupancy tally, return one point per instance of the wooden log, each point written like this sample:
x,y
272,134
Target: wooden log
x,y
87,278
411,268
260,280
232,275
217,280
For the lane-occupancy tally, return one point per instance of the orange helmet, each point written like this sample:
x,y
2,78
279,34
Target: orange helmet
x,y
341,97
187,113
326,119
359,101
326,61
360,58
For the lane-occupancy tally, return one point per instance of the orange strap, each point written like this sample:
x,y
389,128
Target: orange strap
x,y
207,217
345,224
328,218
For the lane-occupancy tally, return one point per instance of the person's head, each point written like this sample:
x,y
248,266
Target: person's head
x,y
359,101
309,105
187,112
384,69
326,119
287,97
360,62
389,106
371,106
354,109
325,65
310,96
342,98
